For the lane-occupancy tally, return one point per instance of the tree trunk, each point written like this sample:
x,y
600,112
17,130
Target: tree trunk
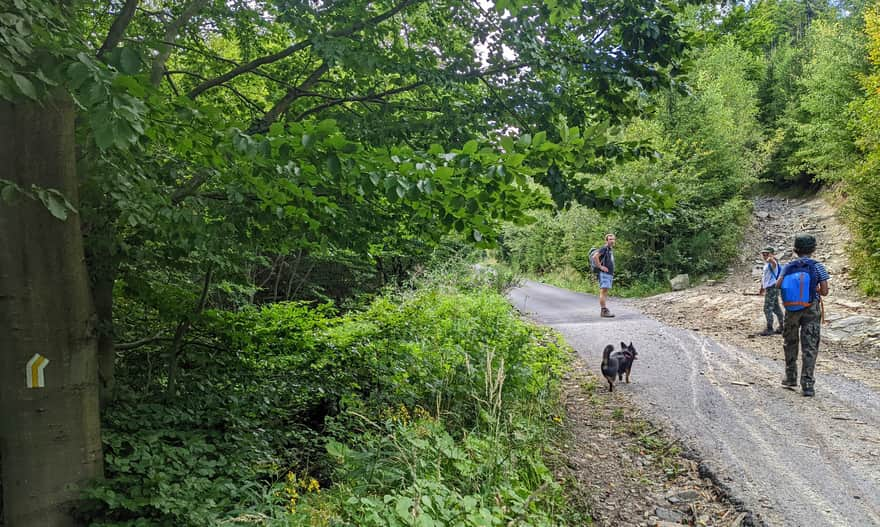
x,y
179,333
102,264
102,292
50,441
102,250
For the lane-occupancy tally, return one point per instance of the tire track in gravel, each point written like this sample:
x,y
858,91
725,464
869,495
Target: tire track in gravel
x,y
792,461
763,446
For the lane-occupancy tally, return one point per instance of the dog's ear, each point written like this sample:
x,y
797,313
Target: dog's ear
x,y
623,345
631,346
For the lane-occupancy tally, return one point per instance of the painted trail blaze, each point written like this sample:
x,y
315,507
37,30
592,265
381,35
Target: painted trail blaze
x,y
34,371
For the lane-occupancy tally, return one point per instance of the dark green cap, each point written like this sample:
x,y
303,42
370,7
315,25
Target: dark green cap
x,y
768,249
804,242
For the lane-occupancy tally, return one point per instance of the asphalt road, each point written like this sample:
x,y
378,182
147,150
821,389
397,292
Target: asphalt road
x,y
791,460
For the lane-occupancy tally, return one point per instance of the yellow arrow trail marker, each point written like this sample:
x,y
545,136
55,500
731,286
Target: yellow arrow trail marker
x,y
35,367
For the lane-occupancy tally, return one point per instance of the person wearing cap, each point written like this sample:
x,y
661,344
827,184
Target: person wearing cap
x,y
801,328
772,271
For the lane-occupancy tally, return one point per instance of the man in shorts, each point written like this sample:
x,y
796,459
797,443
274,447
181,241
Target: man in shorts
x,y
603,259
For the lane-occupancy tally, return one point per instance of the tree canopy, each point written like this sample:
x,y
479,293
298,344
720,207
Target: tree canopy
x,y
225,147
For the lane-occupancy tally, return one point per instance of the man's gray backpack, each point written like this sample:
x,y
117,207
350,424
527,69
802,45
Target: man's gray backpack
x,y
592,253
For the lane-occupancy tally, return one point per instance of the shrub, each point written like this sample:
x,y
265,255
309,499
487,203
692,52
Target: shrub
x,y
432,405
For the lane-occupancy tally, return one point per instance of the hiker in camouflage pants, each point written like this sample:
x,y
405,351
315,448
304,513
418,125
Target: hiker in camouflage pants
x,y
802,328
772,270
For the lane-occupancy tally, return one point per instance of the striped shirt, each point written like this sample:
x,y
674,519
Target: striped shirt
x,y
822,272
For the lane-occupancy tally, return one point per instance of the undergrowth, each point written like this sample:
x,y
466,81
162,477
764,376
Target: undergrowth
x,y
434,406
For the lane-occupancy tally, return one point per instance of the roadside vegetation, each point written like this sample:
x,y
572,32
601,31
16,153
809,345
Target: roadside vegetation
x,y
435,405
216,210
782,98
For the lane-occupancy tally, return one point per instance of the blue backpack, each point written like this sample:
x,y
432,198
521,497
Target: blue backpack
x,y
799,281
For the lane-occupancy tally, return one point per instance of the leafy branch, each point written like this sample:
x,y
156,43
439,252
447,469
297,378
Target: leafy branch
x,y
299,46
54,201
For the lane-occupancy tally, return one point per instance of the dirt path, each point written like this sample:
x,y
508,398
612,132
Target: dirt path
x,y
706,399
729,311
793,462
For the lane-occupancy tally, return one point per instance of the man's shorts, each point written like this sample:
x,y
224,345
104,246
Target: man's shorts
x,y
605,280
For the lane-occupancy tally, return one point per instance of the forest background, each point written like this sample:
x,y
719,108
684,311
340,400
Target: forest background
x,y
241,230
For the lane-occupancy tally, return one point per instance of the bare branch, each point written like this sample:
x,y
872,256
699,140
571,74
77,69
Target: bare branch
x,y
190,188
374,97
180,332
138,343
218,58
254,106
268,59
292,94
114,36
201,52
172,31
503,103
378,98
171,83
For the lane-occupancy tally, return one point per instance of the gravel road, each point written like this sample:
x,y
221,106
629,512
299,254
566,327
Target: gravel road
x,y
791,460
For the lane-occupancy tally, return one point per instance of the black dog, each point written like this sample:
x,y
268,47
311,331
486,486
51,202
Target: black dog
x,y
617,363
625,358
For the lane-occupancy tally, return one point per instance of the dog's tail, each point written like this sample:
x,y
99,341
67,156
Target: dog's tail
x,y
609,366
606,354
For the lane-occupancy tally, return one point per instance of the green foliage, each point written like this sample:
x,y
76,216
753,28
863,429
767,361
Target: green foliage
x,y
819,121
215,138
778,87
717,138
417,473
28,52
240,419
527,245
54,201
863,206
572,231
435,392
766,24
709,152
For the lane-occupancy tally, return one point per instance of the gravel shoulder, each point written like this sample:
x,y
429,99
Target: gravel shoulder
x,y
628,471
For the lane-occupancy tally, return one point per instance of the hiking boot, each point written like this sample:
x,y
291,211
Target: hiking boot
x,y
766,333
789,383
605,313
808,391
